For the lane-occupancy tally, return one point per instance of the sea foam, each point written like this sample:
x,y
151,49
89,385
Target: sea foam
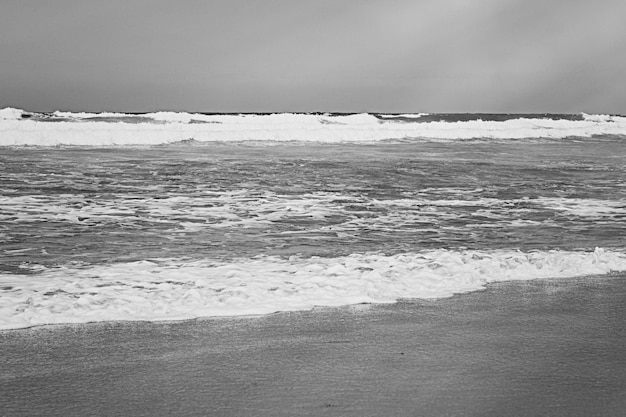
x,y
175,289
18,128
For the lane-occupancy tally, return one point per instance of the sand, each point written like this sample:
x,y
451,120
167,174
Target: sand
x,y
547,347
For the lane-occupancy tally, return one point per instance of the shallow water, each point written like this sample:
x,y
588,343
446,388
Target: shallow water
x,y
547,347
128,232
226,202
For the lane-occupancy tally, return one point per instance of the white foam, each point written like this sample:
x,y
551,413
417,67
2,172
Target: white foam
x,y
597,117
85,115
245,208
585,207
168,127
178,289
10,113
173,117
404,115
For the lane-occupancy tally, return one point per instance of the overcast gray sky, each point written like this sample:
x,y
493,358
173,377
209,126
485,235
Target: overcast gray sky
x,y
318,55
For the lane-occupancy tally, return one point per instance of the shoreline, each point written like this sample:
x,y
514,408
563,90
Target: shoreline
x,y
549,346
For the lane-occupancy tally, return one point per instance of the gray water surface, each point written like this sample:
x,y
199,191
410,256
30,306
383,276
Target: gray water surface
x,y
219,201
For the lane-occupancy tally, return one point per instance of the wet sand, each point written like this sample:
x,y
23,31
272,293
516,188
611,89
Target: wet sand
x,y
547,347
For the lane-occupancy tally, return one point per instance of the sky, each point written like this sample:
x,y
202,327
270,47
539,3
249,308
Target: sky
x,y
559,56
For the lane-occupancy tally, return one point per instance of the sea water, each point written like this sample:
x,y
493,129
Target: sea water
x,y
170,216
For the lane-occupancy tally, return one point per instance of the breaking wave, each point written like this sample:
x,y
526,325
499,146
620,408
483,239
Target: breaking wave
x,y
176,289
21,128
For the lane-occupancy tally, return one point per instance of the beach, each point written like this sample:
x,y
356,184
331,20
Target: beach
x,y
476,271
544,347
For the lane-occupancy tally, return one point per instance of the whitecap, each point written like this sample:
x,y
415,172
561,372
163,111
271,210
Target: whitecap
x,y
174,289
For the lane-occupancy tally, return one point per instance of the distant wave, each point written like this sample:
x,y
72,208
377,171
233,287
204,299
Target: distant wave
x,y
19,128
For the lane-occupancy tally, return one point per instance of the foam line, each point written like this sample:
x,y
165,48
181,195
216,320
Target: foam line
x,y
174,289
19,128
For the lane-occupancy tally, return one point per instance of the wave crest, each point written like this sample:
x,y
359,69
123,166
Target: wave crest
x,y
19,128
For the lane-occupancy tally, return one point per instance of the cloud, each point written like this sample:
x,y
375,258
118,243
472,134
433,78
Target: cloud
x,y
341,55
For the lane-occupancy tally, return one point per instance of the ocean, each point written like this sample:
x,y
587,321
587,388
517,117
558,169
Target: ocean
x,y
173,216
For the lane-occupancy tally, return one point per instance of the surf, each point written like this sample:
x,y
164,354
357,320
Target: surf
x,y
22,128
